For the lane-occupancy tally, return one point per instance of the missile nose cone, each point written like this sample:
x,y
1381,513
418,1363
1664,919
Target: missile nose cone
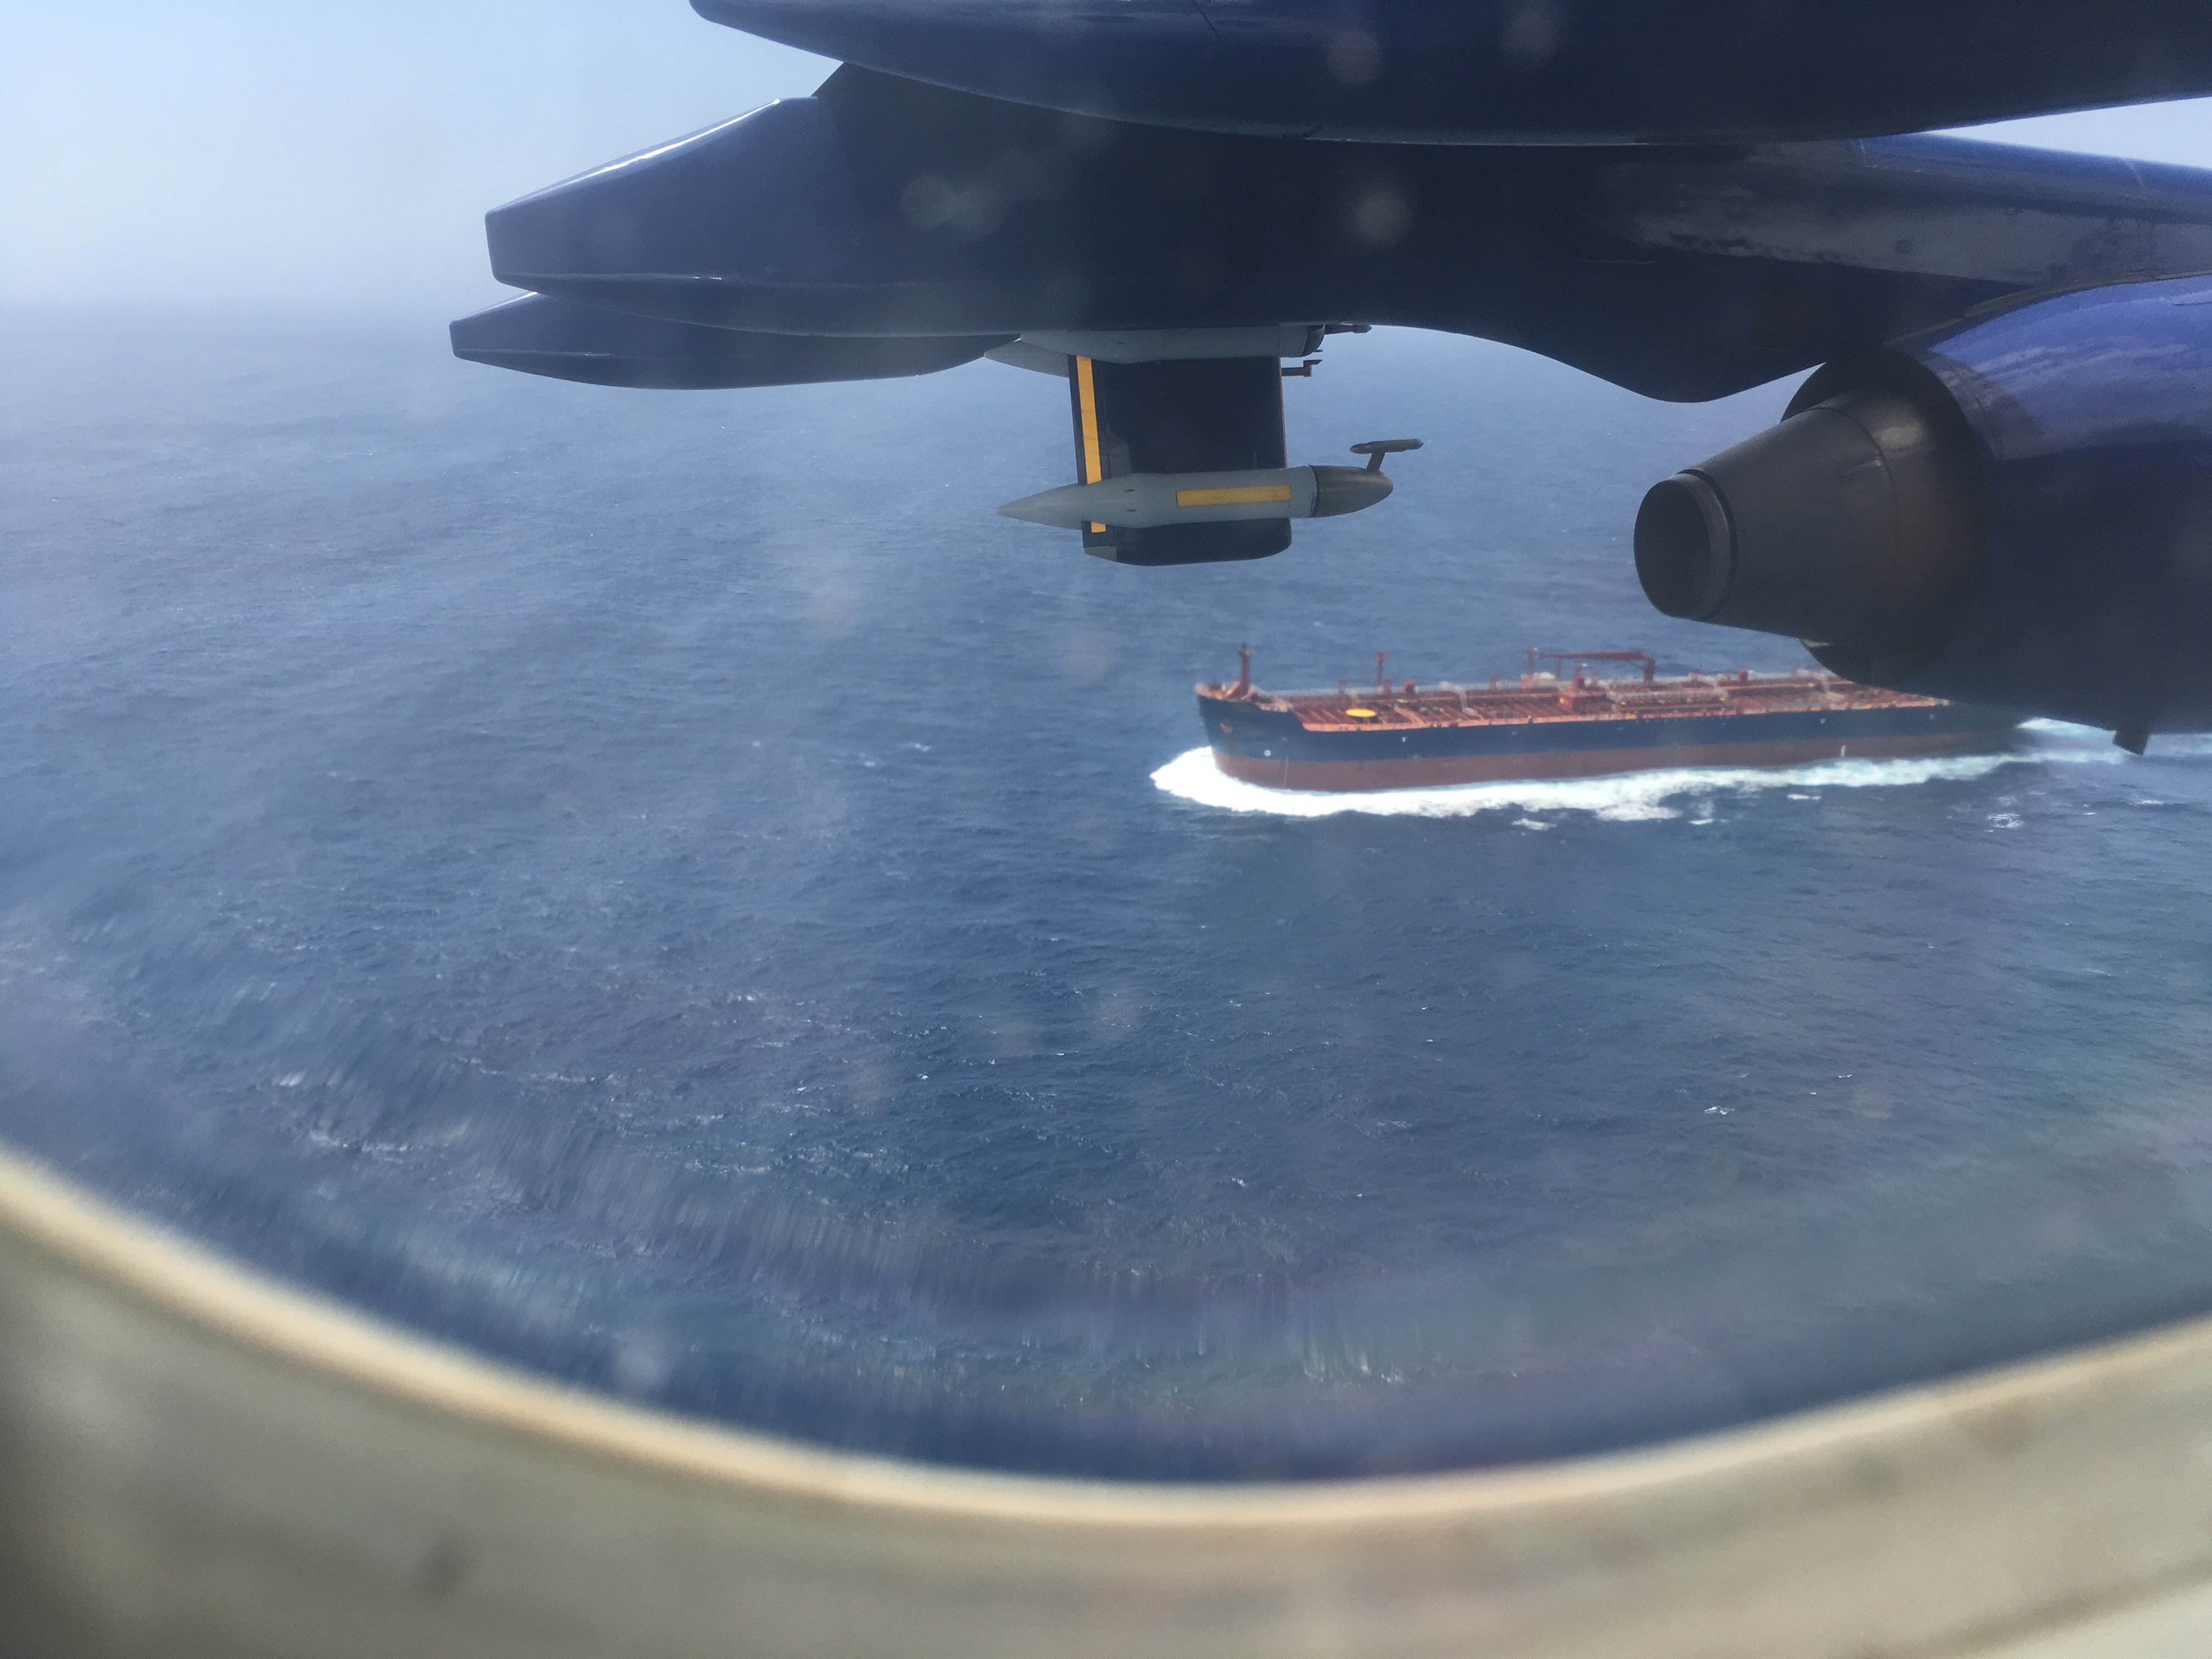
x,y
1064,508
1339,489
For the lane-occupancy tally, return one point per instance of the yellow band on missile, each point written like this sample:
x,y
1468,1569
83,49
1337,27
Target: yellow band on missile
x,y
1244,496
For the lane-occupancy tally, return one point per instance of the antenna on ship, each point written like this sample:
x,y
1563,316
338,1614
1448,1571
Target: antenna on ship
x,y
1381,684
1244,686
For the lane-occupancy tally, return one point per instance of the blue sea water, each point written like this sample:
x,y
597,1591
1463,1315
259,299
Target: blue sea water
x,y
671,892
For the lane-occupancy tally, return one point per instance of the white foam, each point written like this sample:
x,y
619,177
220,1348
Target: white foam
x,y
2057,740
1630,796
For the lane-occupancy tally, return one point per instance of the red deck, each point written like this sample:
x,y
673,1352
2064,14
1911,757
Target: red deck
x,y
1537,698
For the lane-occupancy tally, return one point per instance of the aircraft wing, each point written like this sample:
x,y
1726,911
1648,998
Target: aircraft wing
x,y
1519,71
1163,201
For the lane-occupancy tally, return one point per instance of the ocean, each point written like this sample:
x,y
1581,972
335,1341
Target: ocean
x,y
669,891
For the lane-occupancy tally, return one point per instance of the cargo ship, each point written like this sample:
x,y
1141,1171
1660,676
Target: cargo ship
x,y
1566,722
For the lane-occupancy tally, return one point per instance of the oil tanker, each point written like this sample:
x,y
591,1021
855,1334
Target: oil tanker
x,y
1565,722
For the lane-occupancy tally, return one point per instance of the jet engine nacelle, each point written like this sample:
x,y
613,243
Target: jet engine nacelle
x,y
2015,511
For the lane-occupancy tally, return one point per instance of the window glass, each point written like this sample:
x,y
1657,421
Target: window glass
x,y
672,889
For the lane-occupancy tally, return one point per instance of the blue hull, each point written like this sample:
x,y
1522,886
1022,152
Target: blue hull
x,y
1270,746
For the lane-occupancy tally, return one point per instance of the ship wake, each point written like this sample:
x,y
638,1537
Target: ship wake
x,y
1675,793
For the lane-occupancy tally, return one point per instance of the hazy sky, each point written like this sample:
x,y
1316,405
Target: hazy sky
x,y
255,150
267,151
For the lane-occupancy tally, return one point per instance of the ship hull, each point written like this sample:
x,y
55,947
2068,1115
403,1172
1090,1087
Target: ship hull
x,y
1270,748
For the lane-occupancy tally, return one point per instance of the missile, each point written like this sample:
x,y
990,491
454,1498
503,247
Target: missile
x,y
1150,501
1147,500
